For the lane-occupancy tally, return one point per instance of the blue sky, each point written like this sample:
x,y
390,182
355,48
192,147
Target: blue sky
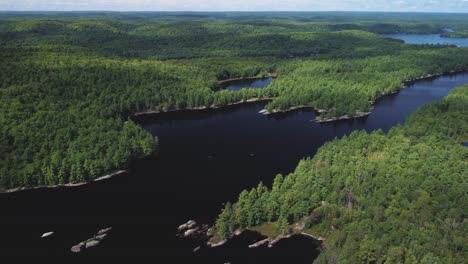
x,y
460,6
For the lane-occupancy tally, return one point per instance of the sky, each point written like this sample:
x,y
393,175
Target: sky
x,y
458,6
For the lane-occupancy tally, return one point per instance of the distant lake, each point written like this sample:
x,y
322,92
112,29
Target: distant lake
x,y
429,39
236,85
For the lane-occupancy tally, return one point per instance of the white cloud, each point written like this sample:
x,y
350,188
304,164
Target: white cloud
x,y
238,5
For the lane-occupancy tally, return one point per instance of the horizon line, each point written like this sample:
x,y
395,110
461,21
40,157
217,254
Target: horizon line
x,y
237,11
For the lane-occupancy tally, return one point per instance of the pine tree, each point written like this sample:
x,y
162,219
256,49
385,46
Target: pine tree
x,y
283,225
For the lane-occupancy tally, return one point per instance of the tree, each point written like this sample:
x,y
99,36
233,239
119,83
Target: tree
x,y
225,223
283,225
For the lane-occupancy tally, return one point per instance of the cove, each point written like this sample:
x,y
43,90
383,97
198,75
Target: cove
x,y
429,39
206,158
252,83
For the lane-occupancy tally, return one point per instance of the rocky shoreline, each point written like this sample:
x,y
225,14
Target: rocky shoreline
x,y
270,242
68,185
190,229
292,108
200,108
318,119
343,117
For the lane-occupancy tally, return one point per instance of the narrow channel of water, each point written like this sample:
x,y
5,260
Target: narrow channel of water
x,y
207,158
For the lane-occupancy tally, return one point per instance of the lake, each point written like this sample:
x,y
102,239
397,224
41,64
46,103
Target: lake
x,y
429,39
236,85
206,158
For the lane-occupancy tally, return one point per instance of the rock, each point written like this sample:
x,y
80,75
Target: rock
x,y
104,231
277,239
190,232
187,225
77,248
259,243
217,244
237,232
274,241
92,243
48,234
101,237
191,224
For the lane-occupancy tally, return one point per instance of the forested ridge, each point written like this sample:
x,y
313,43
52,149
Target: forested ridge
x,y
70,81
457,34
399,197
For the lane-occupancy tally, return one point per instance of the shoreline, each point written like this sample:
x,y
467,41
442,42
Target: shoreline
x,y
258,77
252,100
312,236
293,108
200,108
319,119
67,185
269,241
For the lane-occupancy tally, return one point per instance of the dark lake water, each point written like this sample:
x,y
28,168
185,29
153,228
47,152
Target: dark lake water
x,y
206,159
247,83
429,39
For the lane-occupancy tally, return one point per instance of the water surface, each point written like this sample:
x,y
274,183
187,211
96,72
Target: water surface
x,y
247,83
429,39
207,158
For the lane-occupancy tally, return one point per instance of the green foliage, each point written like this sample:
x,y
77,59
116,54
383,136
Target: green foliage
x,y
347,86
70,82
396,198
457,34
225,224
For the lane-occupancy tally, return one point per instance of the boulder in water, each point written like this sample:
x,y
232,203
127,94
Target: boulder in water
x,y
217,244
101,237
48,234
187,225
92,243
190,232
77,248
104,231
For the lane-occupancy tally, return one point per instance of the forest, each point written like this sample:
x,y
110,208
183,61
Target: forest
x,y
399,197
70,82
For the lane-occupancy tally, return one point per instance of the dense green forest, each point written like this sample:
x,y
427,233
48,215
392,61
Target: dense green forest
x,y
399,197
71,81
